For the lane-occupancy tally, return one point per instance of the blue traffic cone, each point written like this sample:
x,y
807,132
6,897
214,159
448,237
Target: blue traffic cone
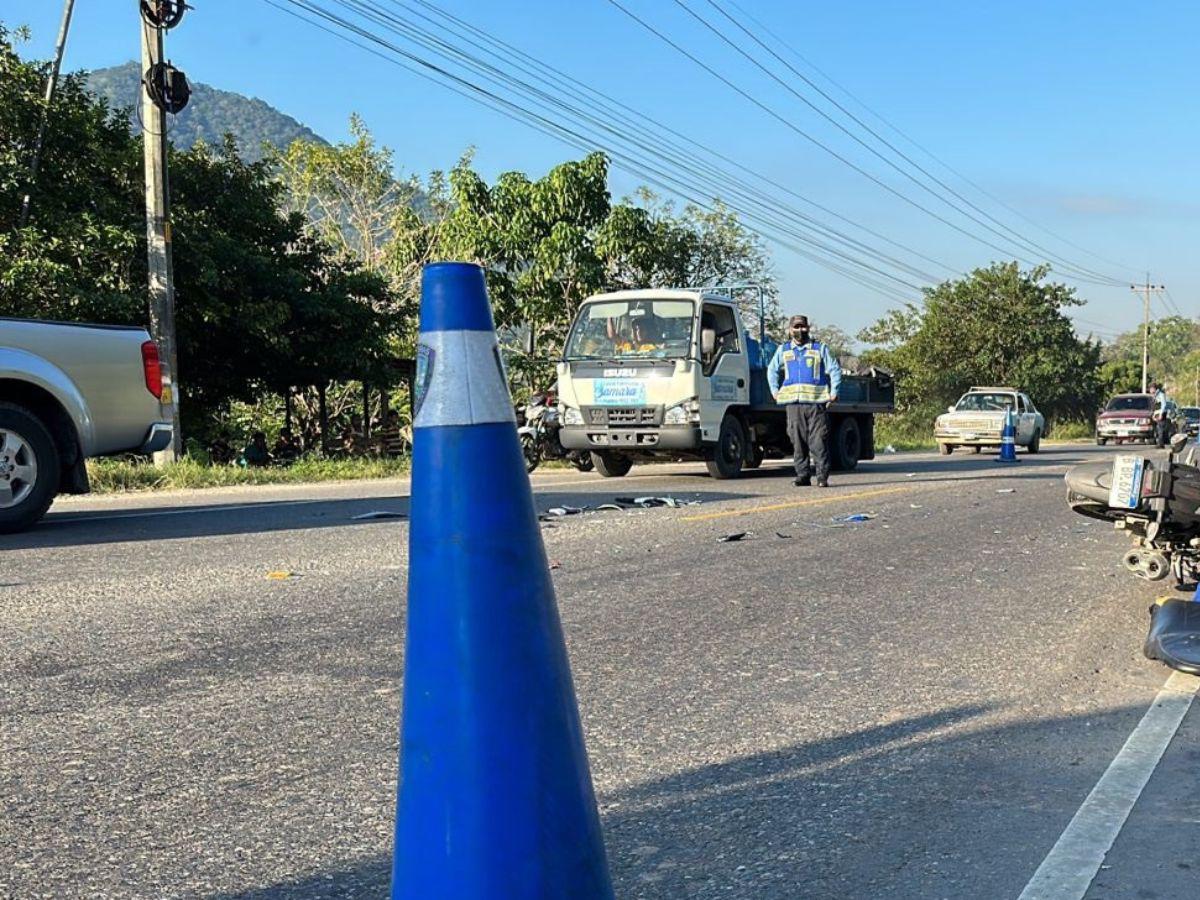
x,y
495,797
1008,440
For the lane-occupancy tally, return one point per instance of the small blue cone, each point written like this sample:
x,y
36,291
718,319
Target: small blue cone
x,y
1008,440
495,797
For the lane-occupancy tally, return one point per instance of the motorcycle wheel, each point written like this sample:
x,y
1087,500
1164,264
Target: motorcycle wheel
x,y
529,450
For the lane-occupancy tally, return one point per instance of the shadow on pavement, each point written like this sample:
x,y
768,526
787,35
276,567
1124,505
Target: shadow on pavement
x,y
901,810
157,523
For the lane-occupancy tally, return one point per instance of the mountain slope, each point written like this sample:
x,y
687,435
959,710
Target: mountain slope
x,y
210,114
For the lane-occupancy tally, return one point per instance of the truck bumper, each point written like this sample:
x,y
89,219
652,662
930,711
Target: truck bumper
x,y
157,438
677,437
968,439
1126,432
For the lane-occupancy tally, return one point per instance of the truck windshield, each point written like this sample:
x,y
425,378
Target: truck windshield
x,y
1136,402
986,403
632,329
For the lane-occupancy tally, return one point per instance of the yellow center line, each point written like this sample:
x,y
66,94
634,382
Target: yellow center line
x,y
813,501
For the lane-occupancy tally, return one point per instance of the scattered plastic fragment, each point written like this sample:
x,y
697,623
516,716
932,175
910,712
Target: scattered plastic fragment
x,y
281,576
731,538
565,510
780,534
855,517
915,506
379,514
1006,490
555,564
609,507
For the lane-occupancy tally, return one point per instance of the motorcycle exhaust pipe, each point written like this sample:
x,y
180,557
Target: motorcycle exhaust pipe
x,y
1150,565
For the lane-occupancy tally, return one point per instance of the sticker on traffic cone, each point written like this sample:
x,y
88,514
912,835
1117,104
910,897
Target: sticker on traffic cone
x,y
495,797
1008,440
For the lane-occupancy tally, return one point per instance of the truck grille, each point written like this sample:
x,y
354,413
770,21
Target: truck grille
x,y
622,415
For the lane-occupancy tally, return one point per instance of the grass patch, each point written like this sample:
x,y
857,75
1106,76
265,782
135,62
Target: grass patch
x,y
1071,430
112,476
895,431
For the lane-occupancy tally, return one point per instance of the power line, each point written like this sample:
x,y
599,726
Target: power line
x,y
792,126
1083,270
689,146
912,141
486,97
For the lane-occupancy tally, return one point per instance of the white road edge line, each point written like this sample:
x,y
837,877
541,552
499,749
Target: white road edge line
x,y
1067,871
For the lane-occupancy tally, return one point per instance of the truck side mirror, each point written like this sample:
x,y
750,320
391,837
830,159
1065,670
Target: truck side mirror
x,y
708,341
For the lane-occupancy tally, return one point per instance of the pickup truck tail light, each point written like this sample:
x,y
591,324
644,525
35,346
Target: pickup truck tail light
x,y
152,369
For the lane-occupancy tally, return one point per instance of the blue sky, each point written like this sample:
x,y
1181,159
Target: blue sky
x,y
1079,115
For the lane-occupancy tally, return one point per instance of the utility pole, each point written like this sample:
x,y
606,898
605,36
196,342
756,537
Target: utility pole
x,y
1147,291
162,92
51,86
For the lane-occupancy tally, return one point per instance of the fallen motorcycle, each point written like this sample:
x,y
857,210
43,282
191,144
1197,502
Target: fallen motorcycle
x,y
1157,503
539,435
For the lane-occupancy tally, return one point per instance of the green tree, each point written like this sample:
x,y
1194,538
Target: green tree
x,y
1119,376
998,325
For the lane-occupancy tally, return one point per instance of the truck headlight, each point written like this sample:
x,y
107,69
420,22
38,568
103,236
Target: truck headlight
x,y
683,413
571,416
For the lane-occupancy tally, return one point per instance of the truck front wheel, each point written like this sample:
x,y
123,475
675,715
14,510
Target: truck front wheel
x,y
612,465
725,460
29,468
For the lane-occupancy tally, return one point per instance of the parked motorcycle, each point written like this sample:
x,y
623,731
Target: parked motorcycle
x,y
1156,502
539,435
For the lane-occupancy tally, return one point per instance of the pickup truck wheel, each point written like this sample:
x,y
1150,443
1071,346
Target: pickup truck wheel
x,y
1100,442
847,445
945,449
725,460
1035,442
29,468
612,465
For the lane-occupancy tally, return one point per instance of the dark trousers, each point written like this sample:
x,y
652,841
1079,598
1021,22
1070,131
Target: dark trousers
x,y
808,430
1162,432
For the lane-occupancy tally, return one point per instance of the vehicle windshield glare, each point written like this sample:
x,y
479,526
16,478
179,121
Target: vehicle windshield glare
x,y
1136,402
986,403
632,329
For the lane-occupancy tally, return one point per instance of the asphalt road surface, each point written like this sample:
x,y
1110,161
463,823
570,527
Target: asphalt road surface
x,y
914,706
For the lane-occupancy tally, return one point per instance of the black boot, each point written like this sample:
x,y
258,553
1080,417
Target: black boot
x,y
822,482
802,481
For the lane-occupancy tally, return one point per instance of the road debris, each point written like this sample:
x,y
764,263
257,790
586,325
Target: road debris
x,y
855,517
1006,490
555,564
915,506
732,538
282,575
650,502
378,514
780,534
565,510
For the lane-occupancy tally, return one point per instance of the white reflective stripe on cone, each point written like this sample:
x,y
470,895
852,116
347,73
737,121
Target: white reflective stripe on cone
x,y
460,380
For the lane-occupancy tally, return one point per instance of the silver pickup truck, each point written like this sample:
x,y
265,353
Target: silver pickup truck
x,y
69,392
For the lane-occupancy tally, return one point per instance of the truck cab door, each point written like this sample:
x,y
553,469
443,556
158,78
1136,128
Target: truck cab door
x,y
1025,421
725,368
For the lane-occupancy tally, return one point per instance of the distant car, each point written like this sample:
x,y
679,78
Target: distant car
x,y
1129,417
977,420
1191,419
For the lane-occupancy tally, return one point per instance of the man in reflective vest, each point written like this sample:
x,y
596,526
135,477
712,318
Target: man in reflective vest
x,y
805,377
